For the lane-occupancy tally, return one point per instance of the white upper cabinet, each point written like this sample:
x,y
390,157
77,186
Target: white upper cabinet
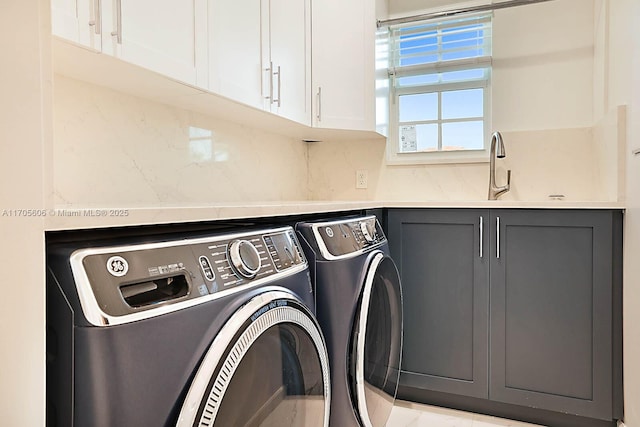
x,y
235,56
166,37
343,49
256,53
78,21
286,41
259,54
65,20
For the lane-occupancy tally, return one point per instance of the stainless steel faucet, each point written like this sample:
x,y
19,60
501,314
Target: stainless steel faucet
x,y
494,190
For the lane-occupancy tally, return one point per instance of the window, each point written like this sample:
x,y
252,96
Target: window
x,y
438,78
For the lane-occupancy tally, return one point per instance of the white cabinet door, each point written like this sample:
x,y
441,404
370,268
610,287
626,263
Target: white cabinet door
x,y
343,50
78,21
168,37
64,19
288,31
259,54
235,62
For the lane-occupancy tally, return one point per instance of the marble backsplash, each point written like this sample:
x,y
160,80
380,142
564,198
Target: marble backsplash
x,y
610,146
112,149
543,163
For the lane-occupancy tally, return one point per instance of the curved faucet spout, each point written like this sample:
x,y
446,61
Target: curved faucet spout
x,y
499,152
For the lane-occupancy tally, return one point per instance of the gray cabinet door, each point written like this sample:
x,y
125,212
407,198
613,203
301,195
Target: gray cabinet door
x,y
551,315
445,298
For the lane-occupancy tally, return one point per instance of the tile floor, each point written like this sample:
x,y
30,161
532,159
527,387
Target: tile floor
x,y
407,414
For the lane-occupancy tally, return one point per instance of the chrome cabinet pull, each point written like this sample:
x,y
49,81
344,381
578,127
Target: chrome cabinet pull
x,y
279,73
96,22
498,237
98,15
481,234
270,71
118,30
319,100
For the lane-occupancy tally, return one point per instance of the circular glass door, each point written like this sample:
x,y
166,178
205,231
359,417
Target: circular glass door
x,y
267,367
376,346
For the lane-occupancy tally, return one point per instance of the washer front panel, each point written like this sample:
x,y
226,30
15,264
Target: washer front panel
x,y
229,349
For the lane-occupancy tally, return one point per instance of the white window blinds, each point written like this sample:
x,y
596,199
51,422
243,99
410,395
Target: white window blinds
x,y
452,45
438,78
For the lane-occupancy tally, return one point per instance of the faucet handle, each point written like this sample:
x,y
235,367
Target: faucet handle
x,y
508,178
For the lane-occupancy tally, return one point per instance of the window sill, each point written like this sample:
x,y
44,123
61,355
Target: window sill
x,y
436,158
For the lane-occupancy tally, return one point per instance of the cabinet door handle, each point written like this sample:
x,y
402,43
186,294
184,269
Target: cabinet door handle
x,y
481,234
96,22
270,71
319,109
118,31
498,237
279,73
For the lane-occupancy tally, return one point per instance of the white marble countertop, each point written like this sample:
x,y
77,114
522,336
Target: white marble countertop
x,y
506,204
67,218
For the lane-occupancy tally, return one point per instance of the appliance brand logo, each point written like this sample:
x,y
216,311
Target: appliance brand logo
x,y
329,231
117,266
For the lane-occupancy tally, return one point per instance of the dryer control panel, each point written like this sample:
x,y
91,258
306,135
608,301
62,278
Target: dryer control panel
x,y
133,282
345,238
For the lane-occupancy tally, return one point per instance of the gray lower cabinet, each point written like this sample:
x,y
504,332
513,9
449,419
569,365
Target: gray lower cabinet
x,y
445,283
512,306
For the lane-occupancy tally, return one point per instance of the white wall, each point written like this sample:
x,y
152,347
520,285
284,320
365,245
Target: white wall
x,y
611,95
542,102
543,66
609,151
631,312
620,84
112,149
25,112
411,7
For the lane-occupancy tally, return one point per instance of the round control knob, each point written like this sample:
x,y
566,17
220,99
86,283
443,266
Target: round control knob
x,y
245,258
368,231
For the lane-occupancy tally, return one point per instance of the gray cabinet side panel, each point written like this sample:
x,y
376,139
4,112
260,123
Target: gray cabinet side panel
x,y
618,394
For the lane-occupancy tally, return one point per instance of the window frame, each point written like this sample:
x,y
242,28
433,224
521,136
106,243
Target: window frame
x,y
394,155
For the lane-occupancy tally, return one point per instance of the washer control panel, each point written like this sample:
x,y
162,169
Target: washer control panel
x,y
119,281
284,250
238,261
345,237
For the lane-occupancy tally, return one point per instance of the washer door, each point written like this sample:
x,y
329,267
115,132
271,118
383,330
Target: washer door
x,y
268,366
377,343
